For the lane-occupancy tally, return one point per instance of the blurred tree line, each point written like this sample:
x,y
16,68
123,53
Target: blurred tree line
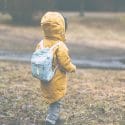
x,y
23,9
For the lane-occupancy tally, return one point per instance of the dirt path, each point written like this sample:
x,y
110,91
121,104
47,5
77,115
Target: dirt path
x,y
110,63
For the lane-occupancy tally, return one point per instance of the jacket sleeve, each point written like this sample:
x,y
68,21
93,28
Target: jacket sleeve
x,y
64,59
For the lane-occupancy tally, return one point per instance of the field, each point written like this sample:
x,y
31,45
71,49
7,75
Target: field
x,y
94,96
98,35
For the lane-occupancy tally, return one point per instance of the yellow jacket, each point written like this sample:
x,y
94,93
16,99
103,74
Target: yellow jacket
x,y
53,27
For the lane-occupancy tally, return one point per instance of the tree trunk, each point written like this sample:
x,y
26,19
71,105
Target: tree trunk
x,y
82,2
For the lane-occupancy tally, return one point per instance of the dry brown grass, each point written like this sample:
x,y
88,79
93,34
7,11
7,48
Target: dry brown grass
x,y
94,97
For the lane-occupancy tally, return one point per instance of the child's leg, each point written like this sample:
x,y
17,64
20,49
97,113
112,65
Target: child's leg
x,y
53,112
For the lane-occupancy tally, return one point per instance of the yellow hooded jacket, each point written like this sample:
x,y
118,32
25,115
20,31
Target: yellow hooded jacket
x,y
53,27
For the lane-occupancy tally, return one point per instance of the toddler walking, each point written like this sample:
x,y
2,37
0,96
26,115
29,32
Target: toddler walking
x,y
54,26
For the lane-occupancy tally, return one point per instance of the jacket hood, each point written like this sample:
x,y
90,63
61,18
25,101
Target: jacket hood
x,y
53,26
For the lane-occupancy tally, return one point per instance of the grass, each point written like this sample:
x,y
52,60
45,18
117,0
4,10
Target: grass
x,y
94,97
97,31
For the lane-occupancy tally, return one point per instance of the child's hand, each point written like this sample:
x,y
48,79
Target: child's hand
x,y
74,68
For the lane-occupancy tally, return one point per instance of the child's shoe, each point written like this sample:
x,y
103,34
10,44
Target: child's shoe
x,y
60,122
49,123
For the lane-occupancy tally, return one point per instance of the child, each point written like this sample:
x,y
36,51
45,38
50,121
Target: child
x,y
54,27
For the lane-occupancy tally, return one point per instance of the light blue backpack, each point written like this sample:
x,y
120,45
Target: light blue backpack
x,y
41,63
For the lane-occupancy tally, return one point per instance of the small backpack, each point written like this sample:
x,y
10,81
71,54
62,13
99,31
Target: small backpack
x,y
41,63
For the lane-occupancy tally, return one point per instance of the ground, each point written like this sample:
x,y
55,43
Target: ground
x,y
98,35
94,96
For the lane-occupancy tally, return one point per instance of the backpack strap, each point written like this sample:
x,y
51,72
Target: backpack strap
x,y
51,49
55,45
41,44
